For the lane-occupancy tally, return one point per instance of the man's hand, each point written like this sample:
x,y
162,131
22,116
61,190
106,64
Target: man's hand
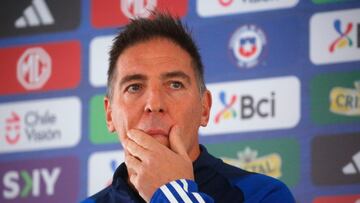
x,y
152,164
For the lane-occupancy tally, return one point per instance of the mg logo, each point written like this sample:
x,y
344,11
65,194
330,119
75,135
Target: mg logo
x,y
34,68
138,8
12,128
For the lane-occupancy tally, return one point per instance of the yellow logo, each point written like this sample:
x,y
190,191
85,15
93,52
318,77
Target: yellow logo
x,y
345,101
247,159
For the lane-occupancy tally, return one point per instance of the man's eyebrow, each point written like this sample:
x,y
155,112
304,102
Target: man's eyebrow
x,y
176,74
130,78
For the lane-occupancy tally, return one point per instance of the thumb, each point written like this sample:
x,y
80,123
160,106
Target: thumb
x,y
176,143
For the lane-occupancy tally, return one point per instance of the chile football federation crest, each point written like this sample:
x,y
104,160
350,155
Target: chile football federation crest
x,y
247,44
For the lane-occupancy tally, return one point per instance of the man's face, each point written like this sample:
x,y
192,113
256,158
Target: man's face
x,y
154,89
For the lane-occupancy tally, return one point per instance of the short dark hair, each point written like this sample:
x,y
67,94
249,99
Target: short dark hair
x,y
159,25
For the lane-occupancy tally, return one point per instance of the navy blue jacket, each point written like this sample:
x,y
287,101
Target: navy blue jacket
x,y
215,181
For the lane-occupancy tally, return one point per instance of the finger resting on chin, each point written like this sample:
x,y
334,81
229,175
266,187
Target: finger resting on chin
x,y
143,139
134,149
132,162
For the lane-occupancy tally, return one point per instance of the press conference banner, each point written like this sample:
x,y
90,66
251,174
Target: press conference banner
x,y
284,77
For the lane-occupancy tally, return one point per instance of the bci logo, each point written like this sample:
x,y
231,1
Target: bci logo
x,y
260,104
27,183
249,107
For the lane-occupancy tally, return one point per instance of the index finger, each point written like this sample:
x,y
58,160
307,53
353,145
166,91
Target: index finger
x,y
176,143
144,140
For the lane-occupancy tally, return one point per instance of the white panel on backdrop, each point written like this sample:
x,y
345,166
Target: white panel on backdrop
x,y
40,124
254,105
334,36
99,59
101,168
209,8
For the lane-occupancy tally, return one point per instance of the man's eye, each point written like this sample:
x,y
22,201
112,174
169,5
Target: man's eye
x,y
176,85
133,88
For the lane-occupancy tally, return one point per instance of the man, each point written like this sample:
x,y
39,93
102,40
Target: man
x,y
156,102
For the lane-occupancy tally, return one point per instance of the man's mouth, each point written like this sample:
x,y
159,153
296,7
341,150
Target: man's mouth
x,y
157,132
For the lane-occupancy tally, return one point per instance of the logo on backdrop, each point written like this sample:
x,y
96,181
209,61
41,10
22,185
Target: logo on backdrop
x,y
247,45
278,158
40,68
344,169
345,101
248,160
115,13
39,124
36,125
40,180
28,17
248,107
335,98
214,8
352,167
138,8
37,14
236,109
34,68
12,128
226,2
228,112
342,41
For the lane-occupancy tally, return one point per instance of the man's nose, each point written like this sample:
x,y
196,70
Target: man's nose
x,y
155,101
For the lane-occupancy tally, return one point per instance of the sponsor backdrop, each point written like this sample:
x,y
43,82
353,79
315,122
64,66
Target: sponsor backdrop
x,y
284,76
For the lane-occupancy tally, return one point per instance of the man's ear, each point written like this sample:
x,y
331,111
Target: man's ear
x,y
108,115
206,106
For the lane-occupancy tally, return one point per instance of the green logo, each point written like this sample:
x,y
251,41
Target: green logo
x,y
329,1
335,98
99,133
278,158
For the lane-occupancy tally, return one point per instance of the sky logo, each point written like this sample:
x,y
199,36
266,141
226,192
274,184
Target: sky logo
x,y
45,180
228,112
31,181
343,40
